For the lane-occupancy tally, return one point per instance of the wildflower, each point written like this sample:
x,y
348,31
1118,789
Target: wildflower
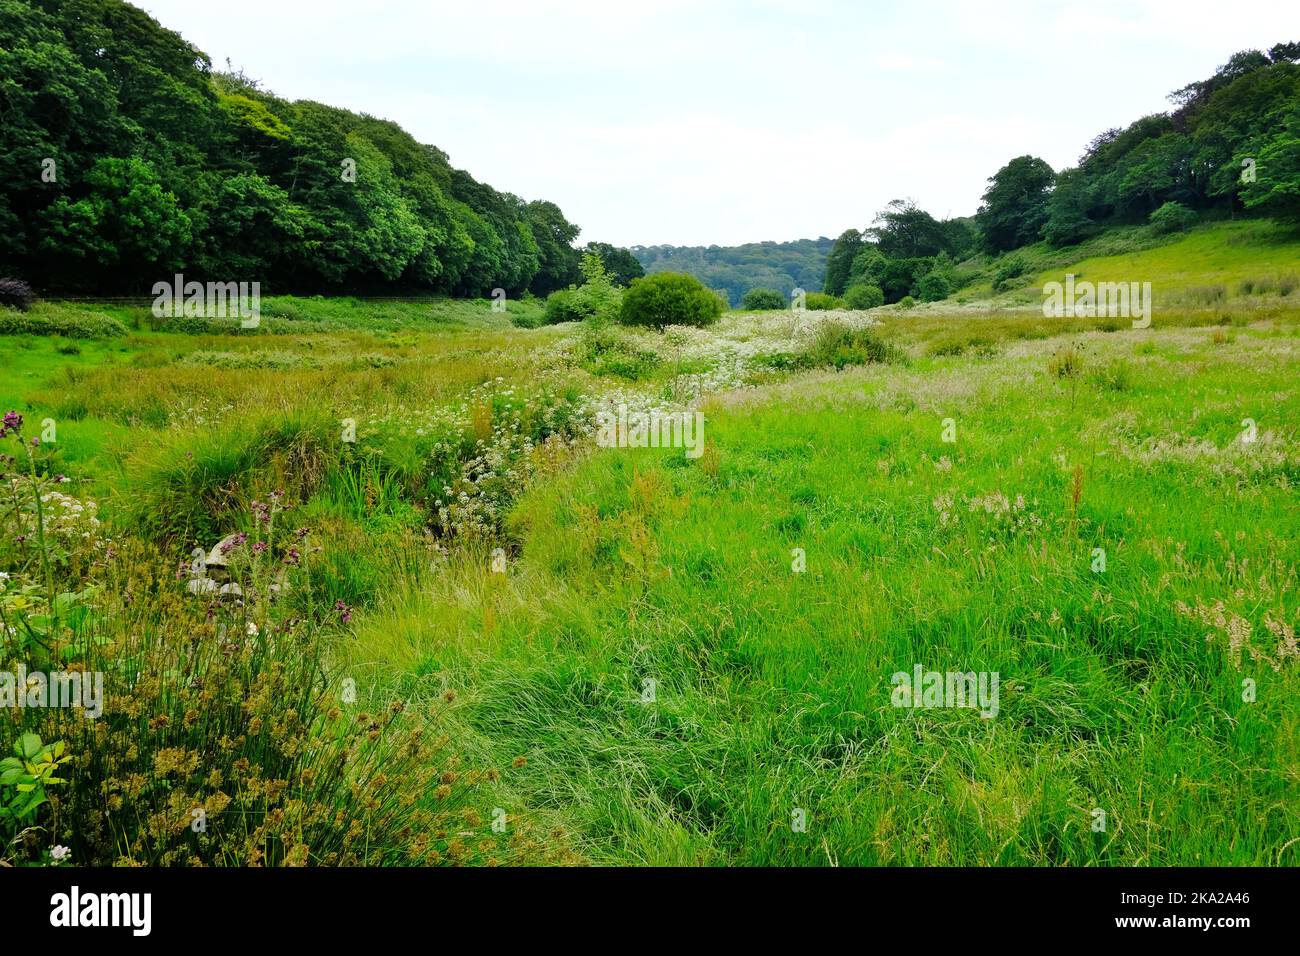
x,y
234,543
60,853
345,612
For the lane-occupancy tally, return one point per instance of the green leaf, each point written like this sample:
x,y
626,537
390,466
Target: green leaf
x,y
28,746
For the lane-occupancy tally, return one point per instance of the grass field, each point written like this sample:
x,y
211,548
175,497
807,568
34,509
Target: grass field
x,y
494,642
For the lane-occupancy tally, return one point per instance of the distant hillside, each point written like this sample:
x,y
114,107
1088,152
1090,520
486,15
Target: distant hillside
x,y
737,269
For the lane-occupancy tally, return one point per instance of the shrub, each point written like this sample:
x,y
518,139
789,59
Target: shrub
x,y
16,294
528,320
838,344
206,325
906,302
758,300
1172,217
1010,268
822,302
932,288
597,300
70,323
562,306
864,295
669,298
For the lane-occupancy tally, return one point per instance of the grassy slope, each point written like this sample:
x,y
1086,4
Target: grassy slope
x,y
1224,253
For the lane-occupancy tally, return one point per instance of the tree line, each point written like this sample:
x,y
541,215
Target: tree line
x,y
734,270
127,156
1230,146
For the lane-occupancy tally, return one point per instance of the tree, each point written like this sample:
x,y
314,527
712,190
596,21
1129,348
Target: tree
x,y
1067,209
669,298
932,287
903,230
840,261
597,300
1275,189
863,295
763,300
557,260
621,264
1015,204
125,222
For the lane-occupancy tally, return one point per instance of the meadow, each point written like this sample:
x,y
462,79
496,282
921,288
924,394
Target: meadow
x,y
455,630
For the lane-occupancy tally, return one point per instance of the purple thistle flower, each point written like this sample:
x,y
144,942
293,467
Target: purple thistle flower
x,y
234,543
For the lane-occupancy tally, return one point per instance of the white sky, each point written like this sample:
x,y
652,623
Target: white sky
x,y
718,121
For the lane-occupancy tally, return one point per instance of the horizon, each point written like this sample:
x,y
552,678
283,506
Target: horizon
x,y
634,171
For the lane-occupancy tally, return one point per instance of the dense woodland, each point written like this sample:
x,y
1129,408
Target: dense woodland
x,y
128,156
734,270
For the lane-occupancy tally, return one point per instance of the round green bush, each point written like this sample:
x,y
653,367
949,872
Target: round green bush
x,y
757,300
863,295
1172,217
821,302
669,298
562,305
906,302
932,288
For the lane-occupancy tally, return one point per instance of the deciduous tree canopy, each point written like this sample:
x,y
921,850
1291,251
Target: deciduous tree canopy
x,y
127,156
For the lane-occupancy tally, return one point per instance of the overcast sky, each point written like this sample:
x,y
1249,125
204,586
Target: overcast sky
x,y
718,121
